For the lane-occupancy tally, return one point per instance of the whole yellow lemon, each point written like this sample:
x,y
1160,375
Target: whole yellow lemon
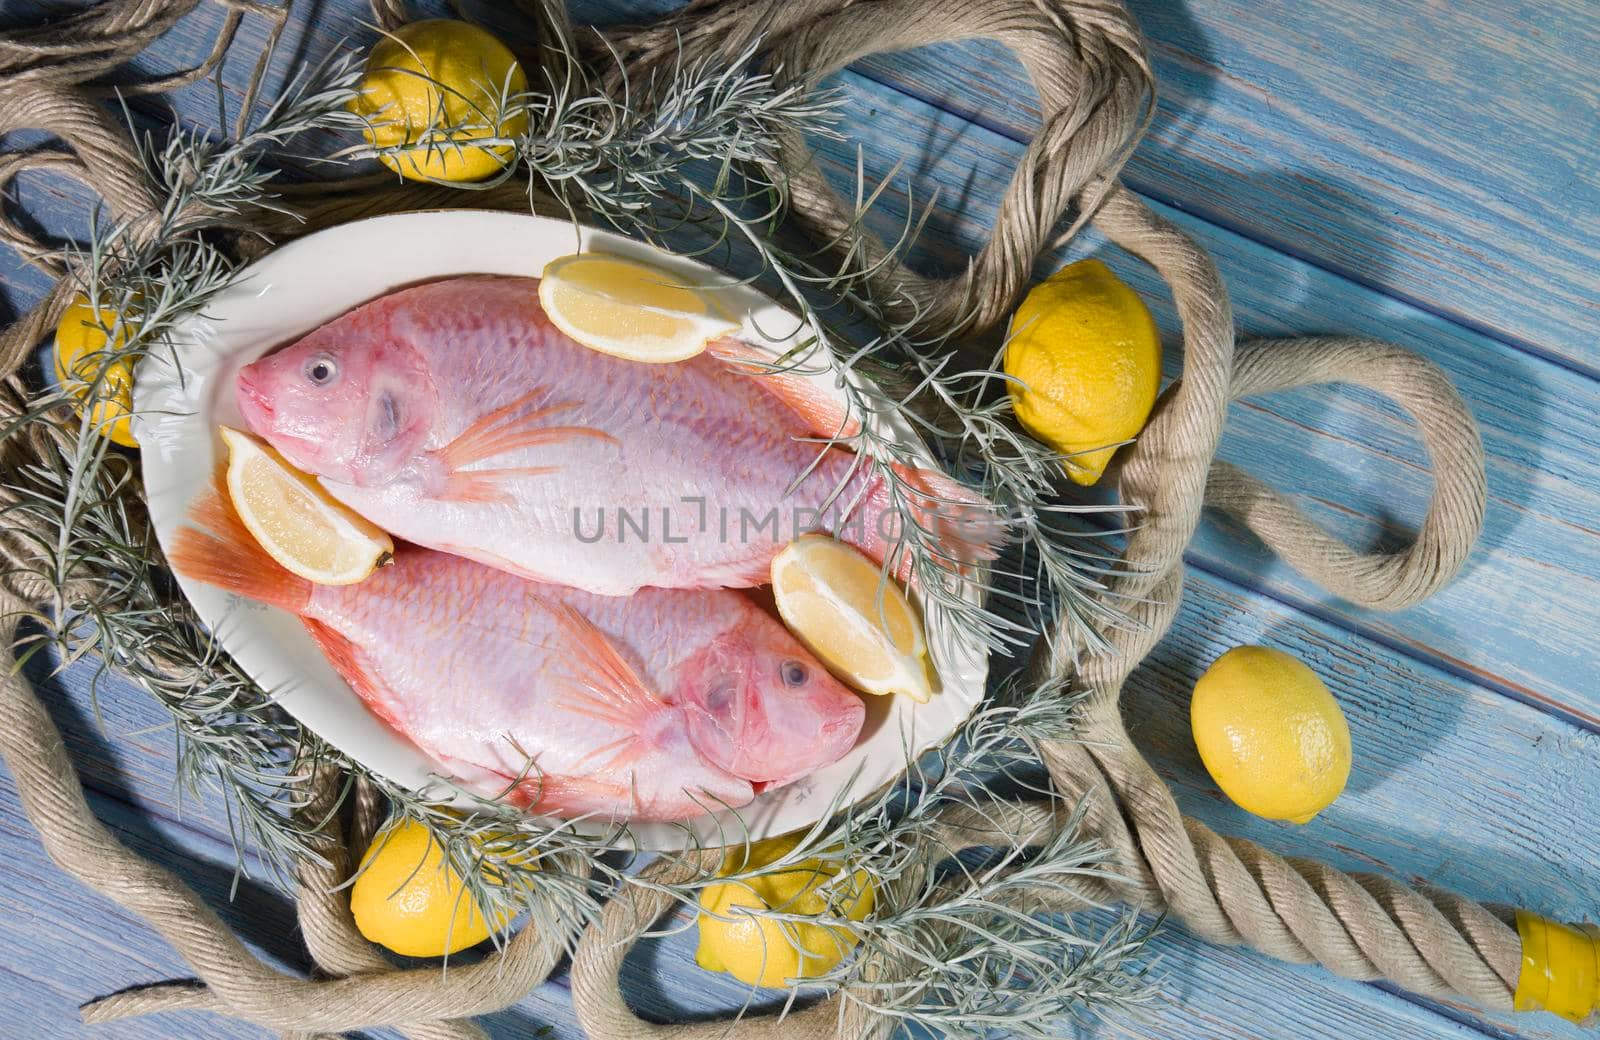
x,y
435,74
409,899
1270,734
1085,357
764,951
82,349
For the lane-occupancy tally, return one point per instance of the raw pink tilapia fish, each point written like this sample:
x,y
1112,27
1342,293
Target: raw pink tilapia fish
x,y
659,706
454,415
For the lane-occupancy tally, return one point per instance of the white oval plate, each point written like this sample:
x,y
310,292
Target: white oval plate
x,y
307,283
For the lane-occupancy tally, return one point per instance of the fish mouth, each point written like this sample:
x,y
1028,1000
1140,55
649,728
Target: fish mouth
x,y
839,735
253,402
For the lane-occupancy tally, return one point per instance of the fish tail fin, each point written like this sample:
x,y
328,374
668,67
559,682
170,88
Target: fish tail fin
x,y
215,547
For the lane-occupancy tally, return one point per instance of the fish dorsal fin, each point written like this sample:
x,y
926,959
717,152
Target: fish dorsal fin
x,y
822,414
519,424
964,522
602,684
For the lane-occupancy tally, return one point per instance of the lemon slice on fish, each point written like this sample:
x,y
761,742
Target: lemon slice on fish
x,y
855,619
629,309
296,521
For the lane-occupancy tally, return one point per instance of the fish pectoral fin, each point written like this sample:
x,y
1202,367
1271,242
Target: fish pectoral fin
x,y
508,428
512,426
486,485
602,684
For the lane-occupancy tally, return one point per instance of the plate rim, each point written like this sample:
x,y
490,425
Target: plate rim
x,y
157,423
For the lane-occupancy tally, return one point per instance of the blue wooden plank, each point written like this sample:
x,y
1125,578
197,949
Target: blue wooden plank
x,y
1507,836
65,945
1237,994
1444,153
1354,463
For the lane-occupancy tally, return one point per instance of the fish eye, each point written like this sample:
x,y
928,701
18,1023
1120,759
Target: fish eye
x,y
321,370
794,673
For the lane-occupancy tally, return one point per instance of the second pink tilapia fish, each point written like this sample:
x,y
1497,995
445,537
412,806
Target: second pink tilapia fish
x,y
664,705
454,415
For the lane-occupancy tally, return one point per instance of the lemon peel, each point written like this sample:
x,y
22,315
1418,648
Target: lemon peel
x,y
1270,734
433,87
83,352
1084,355
758,950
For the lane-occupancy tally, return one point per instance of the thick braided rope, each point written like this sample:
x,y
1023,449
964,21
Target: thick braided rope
x,y
100,158
366,990
1227,890
87,43
1381,581
1086,60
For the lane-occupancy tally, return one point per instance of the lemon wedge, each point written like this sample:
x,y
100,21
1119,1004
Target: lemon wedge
x,y
296,521
856,620
629,309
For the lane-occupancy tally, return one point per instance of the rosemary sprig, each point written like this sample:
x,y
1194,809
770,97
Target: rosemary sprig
x,y
113,600
112,597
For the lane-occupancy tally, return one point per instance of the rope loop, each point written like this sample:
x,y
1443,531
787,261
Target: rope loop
x,y
1379,581
101,157
1087,63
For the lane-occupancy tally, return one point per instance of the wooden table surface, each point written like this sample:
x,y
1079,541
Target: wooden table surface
x,y
1422,172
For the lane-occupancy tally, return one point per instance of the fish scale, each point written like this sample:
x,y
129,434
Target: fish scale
x,y
458,417
646,707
